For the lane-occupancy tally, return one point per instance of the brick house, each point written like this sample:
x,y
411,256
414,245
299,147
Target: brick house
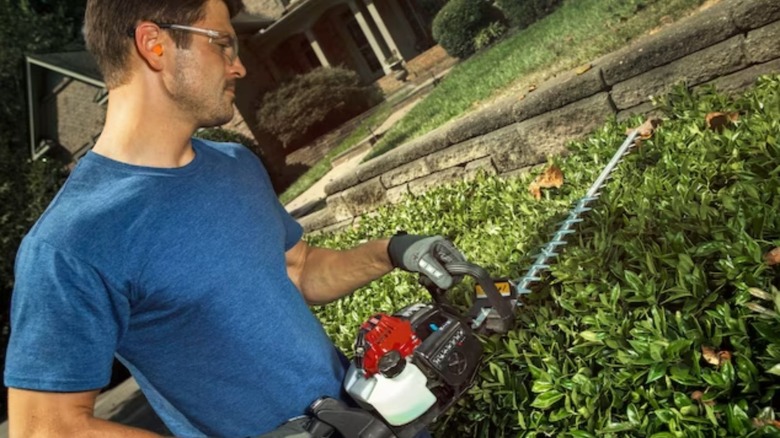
x,y
372,37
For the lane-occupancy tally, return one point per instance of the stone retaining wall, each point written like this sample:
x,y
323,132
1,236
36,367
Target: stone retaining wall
x,y
728,45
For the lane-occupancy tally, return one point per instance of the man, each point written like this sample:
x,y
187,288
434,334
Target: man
x,y
173,254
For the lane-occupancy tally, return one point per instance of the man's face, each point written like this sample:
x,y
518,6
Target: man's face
x,y
204,80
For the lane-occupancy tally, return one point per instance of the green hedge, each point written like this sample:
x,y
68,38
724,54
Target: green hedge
x,y
459,22
668,265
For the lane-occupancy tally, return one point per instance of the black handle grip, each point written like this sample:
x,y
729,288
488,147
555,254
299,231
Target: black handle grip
x,y
505,312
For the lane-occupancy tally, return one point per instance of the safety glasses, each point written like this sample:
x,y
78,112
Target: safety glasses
x,y
226,42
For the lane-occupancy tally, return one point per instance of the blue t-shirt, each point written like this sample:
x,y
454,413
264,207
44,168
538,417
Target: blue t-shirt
x,y
181,274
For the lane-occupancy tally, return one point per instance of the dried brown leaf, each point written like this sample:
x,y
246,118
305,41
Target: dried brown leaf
x,y
759,423
551,177
698,395
583,69
772,258
532,87
717,120
710,355
535,190
646,129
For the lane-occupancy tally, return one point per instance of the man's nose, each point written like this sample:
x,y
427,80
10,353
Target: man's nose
x,y
237,68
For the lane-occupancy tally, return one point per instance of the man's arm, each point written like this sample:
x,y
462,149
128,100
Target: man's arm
x,y
34,414
323,275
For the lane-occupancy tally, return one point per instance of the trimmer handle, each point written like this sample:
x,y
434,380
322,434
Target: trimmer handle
x,y
506,315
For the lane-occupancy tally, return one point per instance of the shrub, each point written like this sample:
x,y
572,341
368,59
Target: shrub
x,y
523,13
660,318
489,35
459,22
312,104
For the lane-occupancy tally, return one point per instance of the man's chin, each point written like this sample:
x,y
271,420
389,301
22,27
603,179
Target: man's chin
x,y
217,121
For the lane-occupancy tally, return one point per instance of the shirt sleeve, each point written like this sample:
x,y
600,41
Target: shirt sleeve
x,y
66,322
293,230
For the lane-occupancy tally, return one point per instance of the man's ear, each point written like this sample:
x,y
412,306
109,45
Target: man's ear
x,y
150,44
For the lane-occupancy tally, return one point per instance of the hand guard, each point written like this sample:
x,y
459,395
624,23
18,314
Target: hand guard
x,y
426,255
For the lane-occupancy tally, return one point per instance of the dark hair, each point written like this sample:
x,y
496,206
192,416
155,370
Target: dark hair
x,y
107,25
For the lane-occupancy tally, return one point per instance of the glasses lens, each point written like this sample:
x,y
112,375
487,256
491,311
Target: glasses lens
x,y
229,46
233,49
227,42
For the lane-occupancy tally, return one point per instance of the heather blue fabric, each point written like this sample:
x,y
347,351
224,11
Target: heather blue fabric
x,y
180,273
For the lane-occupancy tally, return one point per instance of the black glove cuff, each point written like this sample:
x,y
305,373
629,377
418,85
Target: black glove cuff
x,y
398,244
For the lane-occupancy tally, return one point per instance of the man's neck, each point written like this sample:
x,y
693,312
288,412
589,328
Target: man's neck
x,y
145,131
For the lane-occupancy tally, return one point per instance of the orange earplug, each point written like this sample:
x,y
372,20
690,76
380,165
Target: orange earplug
x,y
158,49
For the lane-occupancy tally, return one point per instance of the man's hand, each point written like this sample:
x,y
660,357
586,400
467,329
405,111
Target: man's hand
x,y
426,255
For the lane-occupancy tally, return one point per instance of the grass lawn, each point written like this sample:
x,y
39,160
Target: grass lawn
x,y
578,32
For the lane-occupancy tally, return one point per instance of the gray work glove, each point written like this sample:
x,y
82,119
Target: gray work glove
x,y
426,255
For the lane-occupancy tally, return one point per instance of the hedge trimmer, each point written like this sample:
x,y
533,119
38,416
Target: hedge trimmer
x,y
542,262
412,366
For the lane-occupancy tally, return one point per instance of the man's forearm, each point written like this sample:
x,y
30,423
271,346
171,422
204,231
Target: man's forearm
x,y
331,274
104,428
92,427
46,414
